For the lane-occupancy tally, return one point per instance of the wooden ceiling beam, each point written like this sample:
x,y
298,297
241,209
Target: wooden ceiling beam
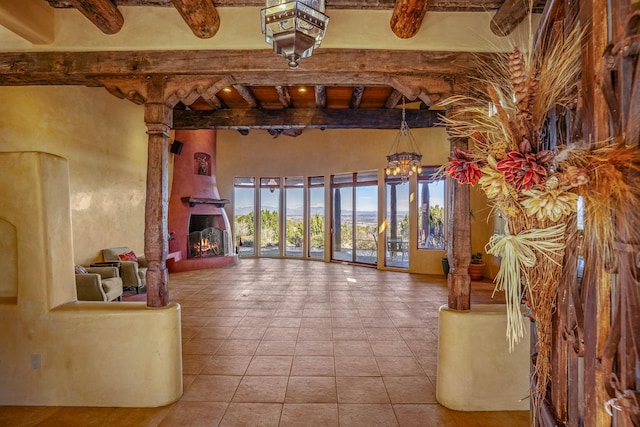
x,y
321,96
311,118
200,15
393,99
102,13
509,16
283,96
356,97
262,67
213,101
407,17
247,95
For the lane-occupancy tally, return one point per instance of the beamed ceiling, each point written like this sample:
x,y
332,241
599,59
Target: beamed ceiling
x,y
253,89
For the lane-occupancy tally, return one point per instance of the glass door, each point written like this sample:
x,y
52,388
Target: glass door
x,y
397,223
269,216
355,217
366,218
316,217
342,229
244,194
294,216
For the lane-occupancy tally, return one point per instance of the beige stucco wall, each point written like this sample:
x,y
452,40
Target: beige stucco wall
x,y
476,369
104,139
55,350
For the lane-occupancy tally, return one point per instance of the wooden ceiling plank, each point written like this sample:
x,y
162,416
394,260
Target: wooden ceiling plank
x,y
246,94
407,17
200,15
356,97
303,118
102,13
509,16
284,96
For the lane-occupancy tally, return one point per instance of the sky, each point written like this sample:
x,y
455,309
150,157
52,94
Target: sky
x,y
367,198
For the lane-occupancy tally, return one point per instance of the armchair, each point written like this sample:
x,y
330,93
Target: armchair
x,y
133,269
98,284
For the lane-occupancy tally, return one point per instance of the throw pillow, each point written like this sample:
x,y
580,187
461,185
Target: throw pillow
x,y
80,269
129,256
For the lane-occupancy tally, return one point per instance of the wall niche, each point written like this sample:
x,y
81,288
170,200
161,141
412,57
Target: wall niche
x,y
202,164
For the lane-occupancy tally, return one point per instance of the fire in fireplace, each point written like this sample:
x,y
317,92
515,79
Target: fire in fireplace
x,y
207,238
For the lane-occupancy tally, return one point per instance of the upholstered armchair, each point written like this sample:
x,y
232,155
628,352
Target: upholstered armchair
x,y
98,283
133,269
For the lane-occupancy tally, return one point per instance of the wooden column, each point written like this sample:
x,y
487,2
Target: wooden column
x,y
158,118
458,239
597,290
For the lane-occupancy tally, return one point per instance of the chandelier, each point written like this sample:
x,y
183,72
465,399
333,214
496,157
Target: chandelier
x,y
294,27
407,162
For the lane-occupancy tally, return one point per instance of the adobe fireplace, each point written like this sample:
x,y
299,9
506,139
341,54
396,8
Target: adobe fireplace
x,y
200,230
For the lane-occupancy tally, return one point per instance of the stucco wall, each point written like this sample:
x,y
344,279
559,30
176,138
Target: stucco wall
x,y
55,350
105,142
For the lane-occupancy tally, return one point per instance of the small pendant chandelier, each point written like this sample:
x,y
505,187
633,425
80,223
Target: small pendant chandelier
x,y
404,158
294,27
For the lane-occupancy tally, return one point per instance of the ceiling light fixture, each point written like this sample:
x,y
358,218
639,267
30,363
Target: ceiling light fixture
x,y
294,27
407,162
272,184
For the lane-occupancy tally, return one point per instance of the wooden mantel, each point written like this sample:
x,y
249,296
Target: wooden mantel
x,y
219,203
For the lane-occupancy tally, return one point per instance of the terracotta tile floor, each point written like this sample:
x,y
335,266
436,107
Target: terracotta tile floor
x,y
275,342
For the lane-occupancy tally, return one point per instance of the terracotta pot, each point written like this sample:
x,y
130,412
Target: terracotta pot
x,y
476,270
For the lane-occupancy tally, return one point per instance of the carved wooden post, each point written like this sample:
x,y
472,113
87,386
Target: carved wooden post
x,y
458,239
597,291
158,118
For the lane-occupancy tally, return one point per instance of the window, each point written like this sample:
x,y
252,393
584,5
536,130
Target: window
x,y
316,217
431,213
355,217
397,223
244,214
294,216
270,216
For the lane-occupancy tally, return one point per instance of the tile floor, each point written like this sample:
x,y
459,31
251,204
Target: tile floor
x,y
275,342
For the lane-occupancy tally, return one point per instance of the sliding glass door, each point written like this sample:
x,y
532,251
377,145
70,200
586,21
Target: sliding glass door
x,y
270,217
316,217
397,223
244,220
294,216
355,217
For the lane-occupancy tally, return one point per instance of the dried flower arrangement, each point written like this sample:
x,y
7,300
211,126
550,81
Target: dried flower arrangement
x,y
535,182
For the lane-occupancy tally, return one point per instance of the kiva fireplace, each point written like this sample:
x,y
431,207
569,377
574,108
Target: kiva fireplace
x,y
200,232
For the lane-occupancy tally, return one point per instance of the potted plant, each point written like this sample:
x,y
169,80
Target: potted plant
x,y
476,268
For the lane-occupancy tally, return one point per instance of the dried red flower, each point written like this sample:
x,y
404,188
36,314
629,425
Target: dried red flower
x,y
463,167
522,170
